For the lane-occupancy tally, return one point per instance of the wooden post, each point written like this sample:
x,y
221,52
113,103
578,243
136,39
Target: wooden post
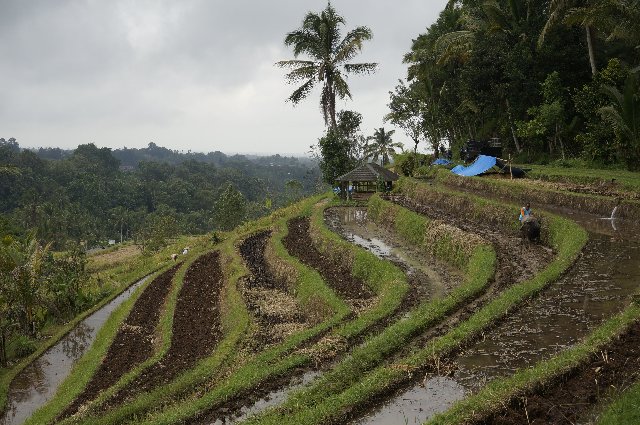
x,y
510,169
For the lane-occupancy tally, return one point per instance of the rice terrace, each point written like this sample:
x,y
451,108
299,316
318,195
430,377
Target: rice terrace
x,y
486,272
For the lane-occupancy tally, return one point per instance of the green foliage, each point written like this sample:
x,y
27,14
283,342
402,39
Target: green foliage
x,y
157,229
549,119
84,196
477,73
320,39
23,346
624,117
335,159
230,209
381,146
408,163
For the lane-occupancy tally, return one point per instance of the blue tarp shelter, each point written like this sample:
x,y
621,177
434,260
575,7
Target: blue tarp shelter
x,y
441,161
479,166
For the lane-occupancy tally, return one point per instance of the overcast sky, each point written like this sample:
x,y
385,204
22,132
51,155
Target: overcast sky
x,y
186,74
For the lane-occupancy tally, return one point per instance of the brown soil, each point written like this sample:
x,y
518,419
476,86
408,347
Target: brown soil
x,y
196,328
518,260
276,315
133,343
603,189
275,312
570,398
299,244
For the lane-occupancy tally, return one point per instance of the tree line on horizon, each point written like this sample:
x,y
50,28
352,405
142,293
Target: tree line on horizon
x,y
86,196
554,80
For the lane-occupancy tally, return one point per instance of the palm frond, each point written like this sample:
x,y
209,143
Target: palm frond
x,y
302,91
341,87
294,64
351,45
303,73
360,68
454,45
557,11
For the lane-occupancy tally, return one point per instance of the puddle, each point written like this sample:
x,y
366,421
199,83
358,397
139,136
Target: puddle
x,y
38,382
272,399
352,224
598,286
418,404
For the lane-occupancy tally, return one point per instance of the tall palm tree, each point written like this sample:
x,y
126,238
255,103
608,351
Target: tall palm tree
x,y
320,39
382,146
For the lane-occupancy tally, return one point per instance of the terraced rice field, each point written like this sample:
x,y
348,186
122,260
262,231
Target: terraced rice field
x,y
424,306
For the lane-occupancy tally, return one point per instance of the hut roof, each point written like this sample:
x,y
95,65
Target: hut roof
x,y
368,173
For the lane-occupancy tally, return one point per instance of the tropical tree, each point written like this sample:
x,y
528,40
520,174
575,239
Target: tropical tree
x,y
382,145
406,112
624,116
230,208
320,39
609,16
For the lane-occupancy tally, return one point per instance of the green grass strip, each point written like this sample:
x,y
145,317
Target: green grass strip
x,y
565,236
499,392
78,379
479,270
272,362
625,410
628,180
124,275
264,366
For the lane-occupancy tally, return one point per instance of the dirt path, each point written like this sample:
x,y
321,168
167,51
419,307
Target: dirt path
x,y
570,399
196,329
299,244
133,343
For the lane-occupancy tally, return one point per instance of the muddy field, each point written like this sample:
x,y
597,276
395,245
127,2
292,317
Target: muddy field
x,y
299,244
571,398
133,343
196,328
274,310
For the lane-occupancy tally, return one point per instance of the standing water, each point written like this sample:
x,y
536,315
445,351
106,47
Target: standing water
x,y
599,285
38,382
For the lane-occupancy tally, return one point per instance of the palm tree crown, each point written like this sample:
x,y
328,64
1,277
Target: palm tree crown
x,y
320,39
382,145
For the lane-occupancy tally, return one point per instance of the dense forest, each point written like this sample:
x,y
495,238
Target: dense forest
x,y
553,80
94,194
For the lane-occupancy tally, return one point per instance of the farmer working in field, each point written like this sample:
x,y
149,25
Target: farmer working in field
x,y
530,225
525,212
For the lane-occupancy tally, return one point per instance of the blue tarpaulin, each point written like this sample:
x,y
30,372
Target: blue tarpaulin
x,y
479,166
441,161
457,168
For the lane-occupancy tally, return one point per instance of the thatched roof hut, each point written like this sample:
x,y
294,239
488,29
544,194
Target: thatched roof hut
x,y
365,178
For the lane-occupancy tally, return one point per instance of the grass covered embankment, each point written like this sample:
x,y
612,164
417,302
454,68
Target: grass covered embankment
x,y
271,363
522,190
567,239
506,394
111,272
472,254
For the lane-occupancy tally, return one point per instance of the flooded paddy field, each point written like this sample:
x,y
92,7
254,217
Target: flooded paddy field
x,y
38,382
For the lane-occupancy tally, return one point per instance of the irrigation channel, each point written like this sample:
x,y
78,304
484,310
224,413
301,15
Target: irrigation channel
x,y
598,285
38,382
